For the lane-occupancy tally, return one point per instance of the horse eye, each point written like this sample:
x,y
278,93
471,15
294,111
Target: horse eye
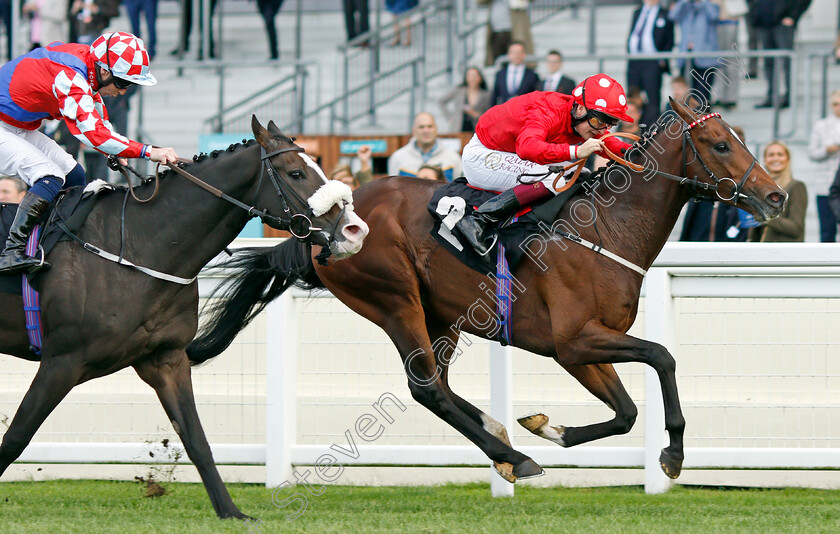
x,y
296,175
722,147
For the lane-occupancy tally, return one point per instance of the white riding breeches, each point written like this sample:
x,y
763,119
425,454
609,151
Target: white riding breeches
x,y
31,155
495,170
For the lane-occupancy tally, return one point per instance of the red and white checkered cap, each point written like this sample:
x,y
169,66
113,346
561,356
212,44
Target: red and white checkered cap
x,y
126,58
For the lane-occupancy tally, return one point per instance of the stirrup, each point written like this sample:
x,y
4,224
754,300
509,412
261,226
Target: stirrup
x,y
489,247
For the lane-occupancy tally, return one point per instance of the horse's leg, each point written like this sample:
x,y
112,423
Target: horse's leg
x,y
53,381
595,343
602,381
445,342
169,374
407,329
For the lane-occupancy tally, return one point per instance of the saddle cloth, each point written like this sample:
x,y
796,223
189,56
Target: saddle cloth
x,y
451,201
72,206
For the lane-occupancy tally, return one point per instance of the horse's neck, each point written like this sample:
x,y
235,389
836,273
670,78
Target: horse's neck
x,y
637,224
196,223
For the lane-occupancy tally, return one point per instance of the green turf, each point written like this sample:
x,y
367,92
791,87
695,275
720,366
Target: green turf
x,y
93,507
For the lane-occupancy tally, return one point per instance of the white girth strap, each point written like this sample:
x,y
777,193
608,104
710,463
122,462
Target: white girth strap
x,y
145,270
600,250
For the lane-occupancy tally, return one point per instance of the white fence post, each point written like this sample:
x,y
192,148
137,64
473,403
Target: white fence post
x,y
280,389
501,406
659,328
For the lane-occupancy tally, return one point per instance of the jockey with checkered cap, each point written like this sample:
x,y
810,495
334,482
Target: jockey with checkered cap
x,y
64,81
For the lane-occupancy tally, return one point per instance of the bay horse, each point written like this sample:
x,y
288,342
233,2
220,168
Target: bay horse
x,y
570,302
100,317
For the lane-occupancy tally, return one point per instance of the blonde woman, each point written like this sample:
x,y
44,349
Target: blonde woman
x,y
790,226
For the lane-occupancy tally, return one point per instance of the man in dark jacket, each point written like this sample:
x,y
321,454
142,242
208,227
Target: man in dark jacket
x,y
650,32
775,23
515,78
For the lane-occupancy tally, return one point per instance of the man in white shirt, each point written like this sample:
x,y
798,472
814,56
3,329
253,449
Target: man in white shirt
x,y
650,32
554,79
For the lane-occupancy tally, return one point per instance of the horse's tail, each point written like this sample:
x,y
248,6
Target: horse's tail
x,y
254,277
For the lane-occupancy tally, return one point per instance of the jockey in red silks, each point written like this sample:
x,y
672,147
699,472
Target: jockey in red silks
x,y
526,135
64,81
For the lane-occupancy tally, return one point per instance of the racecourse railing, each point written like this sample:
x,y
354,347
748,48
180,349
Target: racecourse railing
x,y
752,327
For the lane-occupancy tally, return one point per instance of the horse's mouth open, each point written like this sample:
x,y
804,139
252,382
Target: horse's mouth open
x,y
768,208
350,237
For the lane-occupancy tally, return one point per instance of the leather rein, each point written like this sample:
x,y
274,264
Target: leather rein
x,y
299,224
693,183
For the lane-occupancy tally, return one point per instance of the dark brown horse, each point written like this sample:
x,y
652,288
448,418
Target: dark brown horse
x,y
571,303
100,317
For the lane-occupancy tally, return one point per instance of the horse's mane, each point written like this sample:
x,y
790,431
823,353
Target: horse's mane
x,y
203,158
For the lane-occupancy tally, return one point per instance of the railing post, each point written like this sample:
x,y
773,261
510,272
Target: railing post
x,y
221,73
590,47
280,389
659,328
501,406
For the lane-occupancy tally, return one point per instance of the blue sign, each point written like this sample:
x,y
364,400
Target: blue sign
x,y
211,142
377,146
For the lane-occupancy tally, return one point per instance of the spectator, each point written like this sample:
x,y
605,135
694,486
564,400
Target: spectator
x,y
698,22
89,18
47,21
650,32
268,9
679,92
149,8
515,78
365,173
554,79
726,85
343,173
186,28
775,25
12,189
356,18
498,31
424,148
6,15
520,27
824,148
464,104
837,49
790,225
398,8
431,172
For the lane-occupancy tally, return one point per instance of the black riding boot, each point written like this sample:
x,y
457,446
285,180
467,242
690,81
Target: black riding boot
x,y
474,227
14,259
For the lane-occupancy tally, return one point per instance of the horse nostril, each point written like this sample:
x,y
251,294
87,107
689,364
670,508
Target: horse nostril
x,y
351,231
776,199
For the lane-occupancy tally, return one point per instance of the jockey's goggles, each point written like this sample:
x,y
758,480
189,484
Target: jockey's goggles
x,y
598,120
119,83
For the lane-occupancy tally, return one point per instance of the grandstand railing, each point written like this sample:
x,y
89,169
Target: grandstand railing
x,y
774,406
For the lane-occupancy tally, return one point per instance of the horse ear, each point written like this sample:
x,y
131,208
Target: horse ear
x,y
262,135
274,130
683,111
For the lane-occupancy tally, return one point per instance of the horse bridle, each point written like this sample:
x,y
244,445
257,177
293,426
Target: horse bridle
x,y
694,183
299,224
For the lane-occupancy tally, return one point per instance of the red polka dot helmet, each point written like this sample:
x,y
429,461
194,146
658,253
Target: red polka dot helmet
x,y
601,94
124,55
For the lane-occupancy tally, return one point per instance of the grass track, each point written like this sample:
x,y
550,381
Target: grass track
x,y
104,507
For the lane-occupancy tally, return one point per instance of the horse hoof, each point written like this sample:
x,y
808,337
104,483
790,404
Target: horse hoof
x,y
528,469
505,471
533,422
671,466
